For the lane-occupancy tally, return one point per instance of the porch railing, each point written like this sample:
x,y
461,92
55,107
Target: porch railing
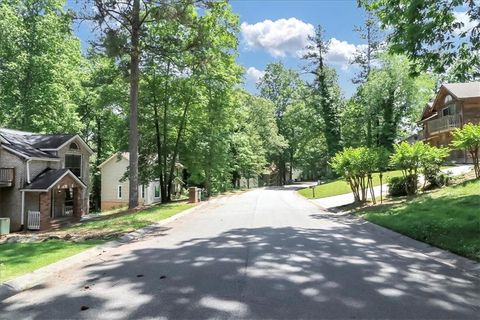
x,y
444,123
68,211
33,220
7,177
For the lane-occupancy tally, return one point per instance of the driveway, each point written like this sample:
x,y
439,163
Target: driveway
x,y
266,253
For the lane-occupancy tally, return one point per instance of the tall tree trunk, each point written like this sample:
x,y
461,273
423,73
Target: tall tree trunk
x,y
177,142
134,83
97,179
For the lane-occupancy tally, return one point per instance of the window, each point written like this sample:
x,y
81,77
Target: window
x,y
74,163
447,100
73,146
119,192
157,191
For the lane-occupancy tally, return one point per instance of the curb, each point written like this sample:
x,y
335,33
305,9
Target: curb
x,y
437,254
36,277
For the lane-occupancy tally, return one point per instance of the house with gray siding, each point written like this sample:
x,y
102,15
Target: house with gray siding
x,y
43,177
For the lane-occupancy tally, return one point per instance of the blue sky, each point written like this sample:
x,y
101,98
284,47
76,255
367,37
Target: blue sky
x,y
276,30
337,17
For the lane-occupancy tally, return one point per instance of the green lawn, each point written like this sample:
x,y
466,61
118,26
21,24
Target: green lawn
x,y
448,218
340,186
19,258
121,222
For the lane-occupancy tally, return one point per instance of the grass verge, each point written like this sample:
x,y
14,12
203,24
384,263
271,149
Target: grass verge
x,y
19,258
127,221
448,218
340,186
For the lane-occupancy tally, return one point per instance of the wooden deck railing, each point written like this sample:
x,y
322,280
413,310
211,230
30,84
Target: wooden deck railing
x,y
7,176
444,123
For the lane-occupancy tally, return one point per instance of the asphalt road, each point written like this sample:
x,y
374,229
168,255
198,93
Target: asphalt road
x,y
262,254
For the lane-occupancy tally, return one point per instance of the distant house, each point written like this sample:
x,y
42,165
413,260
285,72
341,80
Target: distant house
x,y
115,184
455,105
42,178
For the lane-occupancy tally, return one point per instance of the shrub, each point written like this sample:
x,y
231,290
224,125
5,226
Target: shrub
x,y
432,161
417,158
397,186
468,138
356,165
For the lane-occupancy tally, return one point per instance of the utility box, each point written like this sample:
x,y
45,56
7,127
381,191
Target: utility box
x,y
4,226
193,195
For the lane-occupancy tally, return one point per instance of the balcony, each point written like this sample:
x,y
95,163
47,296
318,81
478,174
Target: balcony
x,y
445,123
7,177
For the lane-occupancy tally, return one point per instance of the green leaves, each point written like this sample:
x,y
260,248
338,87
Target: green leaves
x,y
468,138
356,166
40,67
415,158
430,34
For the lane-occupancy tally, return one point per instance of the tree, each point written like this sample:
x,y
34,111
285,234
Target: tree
x,y
430,33
394,99
40,67
414,159
365,55
356,166
283,87
102,111
123,27
325,89
468,138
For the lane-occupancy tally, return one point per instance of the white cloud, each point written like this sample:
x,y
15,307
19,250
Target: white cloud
x,y
341,52
280,37
464,18
254,74
289,37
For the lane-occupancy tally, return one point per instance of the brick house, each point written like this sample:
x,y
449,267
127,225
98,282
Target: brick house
x,y
455,104
42,178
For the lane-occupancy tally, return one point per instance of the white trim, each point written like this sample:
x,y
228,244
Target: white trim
x,y
119,191
426,119
27,157
45,159
110,158
83,143
56,181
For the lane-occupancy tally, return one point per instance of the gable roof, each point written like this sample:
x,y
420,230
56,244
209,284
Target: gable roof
x,y
463,90
49,178
459,91
37,146
121,155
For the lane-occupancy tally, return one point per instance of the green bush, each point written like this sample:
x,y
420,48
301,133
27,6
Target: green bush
x,y
468,138
397,186
356,166
417,158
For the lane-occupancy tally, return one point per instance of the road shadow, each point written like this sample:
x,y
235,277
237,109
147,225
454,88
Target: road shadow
x,y
255,273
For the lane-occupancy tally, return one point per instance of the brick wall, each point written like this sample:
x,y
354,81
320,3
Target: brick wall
x,y
45,207
10,206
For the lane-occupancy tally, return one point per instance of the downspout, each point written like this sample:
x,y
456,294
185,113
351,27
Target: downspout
x,y
28,170
22,216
